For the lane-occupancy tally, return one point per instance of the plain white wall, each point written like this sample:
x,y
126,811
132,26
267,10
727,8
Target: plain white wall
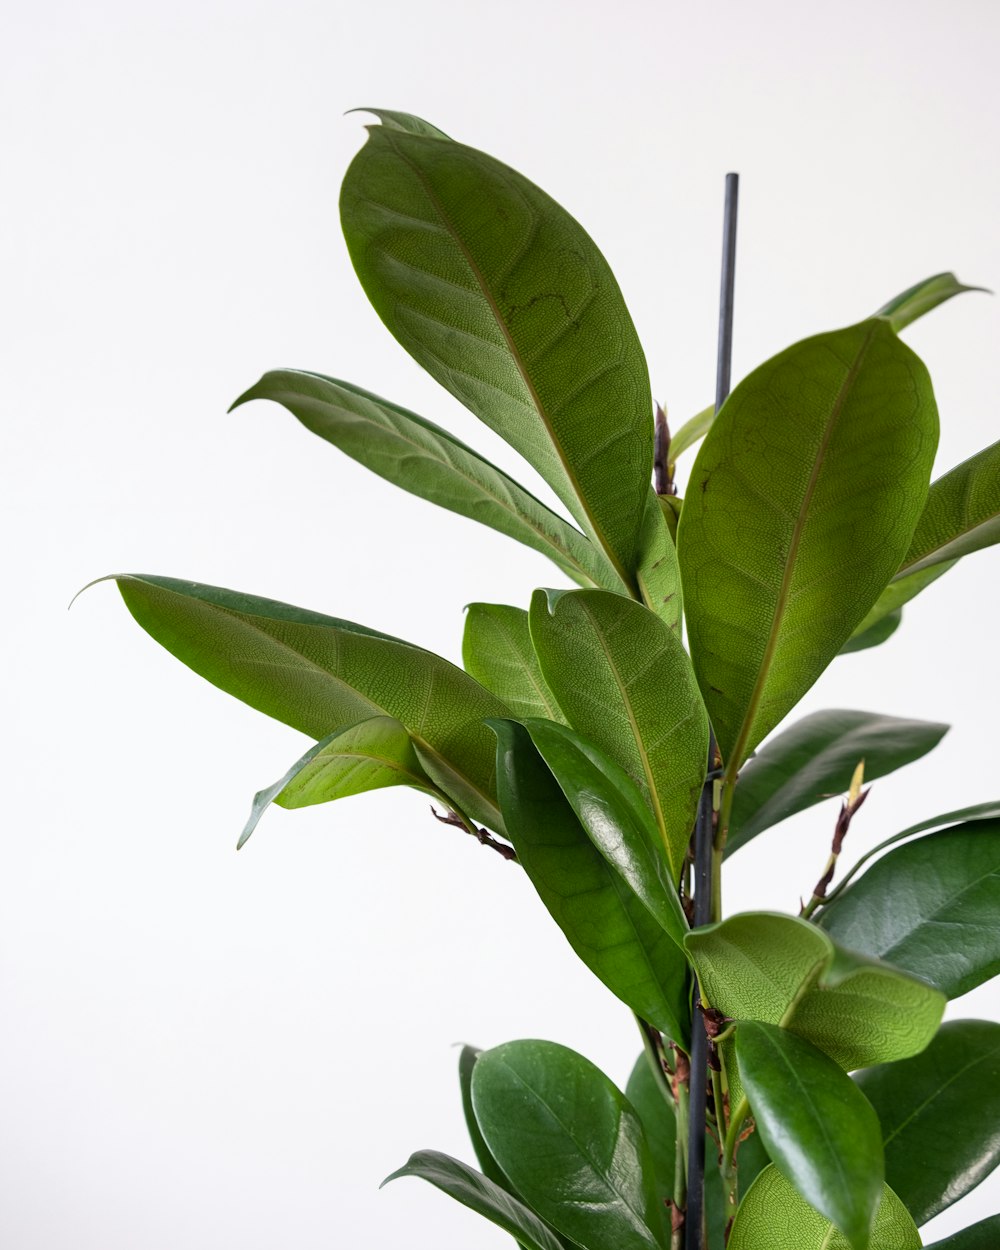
x,y
201,1049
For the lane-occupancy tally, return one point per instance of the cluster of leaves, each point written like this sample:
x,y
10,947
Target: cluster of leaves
x,y
582,734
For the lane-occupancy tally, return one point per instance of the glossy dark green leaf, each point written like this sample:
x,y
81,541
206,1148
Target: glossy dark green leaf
x,y
982,1236
940,1115
639,701
497,652
873,635
903,309
819,1129
814,759
477,1192
503,298
606,924
466,1063
570,1143
931,906
317,673
792,524
427,461
371,755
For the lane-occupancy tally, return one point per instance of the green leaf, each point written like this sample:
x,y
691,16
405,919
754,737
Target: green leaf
x,y
317,674
801,507
570,1143
639,702
982,1236
503,298
772,1216
497,652
480,1194
903,309
889,604
931,906
875,634
466,1063
814,759
659,574
368,756
940,1114
962,514
611,929
819,1129
422,458
694,429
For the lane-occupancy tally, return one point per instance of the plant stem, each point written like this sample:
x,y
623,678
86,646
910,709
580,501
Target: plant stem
x,y
680,1165
730,1178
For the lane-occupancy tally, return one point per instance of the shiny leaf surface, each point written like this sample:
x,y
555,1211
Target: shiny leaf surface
x,y
497,652
466,1063
982,1236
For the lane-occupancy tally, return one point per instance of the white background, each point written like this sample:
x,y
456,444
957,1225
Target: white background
x,y
205,1050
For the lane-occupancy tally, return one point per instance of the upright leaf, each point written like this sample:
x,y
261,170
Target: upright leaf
x,y
962,514
466,1063
659,574
903,309
497,652
801,506
503,298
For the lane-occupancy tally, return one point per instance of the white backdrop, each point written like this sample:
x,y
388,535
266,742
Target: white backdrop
x,y
201,1049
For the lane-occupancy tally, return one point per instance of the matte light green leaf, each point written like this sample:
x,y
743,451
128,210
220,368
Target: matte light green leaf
x,y
466,1063
607,925
931,906
691,431
772,1216
503,298
659,574
570,1143
873,635
819,1129
903,309
422,458
497,652
318,673
638,702
480,1194
814,759
940,1114
801,506
982,1236
368,756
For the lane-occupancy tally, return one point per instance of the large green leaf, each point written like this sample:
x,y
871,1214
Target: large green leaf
x,y
819,1129
570,1143
427,461
962,513
903,309
931,906
815,758
773,1216
317,673
467,1059
607,925
940,1114
503,298
982,1236
801,507
497,652
477,1192
638,701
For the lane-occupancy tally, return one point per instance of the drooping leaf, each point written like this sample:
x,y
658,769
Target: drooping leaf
x,y
639,702
802,504
606,924
906,307
427,461
985,1235
477,1192
570,1143
497,652
819,1129
815,758
940,1115
931,906
503,298
772,1216
367,756
659,574
318,673
873,635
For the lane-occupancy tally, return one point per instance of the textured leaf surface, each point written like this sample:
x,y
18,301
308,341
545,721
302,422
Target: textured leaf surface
x,y
962,513
503,298
801,507
982,1236
903,309
497,652
427,461
940,1114
814,760
570,1143
638,702
931,906
318,674
659,574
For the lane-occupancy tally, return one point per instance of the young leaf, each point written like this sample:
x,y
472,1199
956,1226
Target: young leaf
x,y
607,925
640,702
694,429
480,1194
497,652
659,574
814,760
570,1143
367,756
503,298
906,307
931,906
801,506
982,1236
772,1216
940,1114
317,673
427,461
819,1129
